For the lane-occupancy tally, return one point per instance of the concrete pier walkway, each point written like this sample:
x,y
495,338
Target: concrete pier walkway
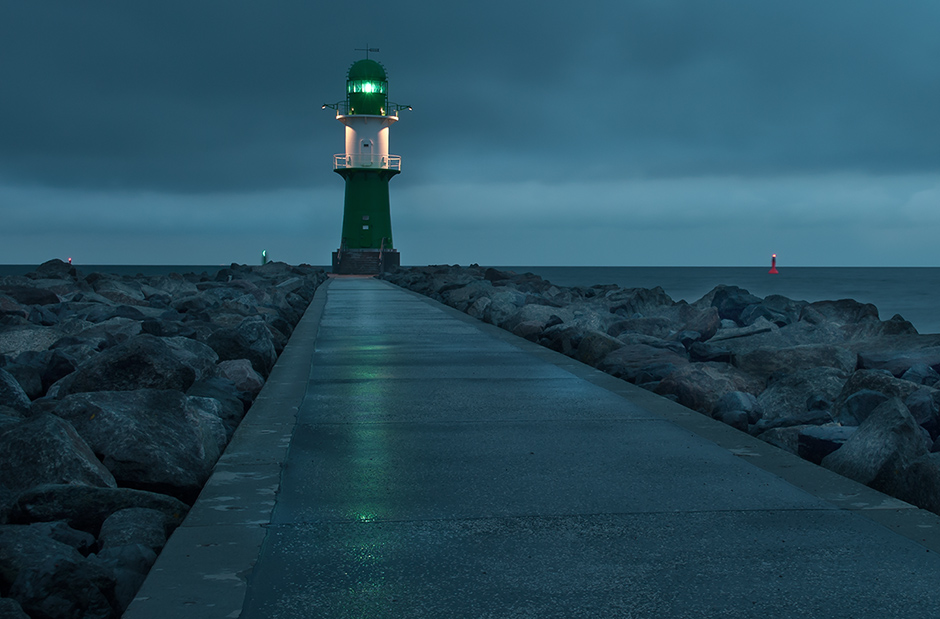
x,y
405,460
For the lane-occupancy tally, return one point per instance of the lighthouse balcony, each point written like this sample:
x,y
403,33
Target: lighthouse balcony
x,y
345,109
377,162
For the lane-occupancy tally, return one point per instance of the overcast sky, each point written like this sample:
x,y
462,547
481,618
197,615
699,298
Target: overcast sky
x,y
654,132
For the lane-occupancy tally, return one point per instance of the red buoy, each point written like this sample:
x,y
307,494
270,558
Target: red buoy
x,y
773,265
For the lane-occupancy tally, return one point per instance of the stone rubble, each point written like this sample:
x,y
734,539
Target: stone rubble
x,y
117,396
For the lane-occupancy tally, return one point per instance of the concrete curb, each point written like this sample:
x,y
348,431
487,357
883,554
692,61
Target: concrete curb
x,y
916,524
203,570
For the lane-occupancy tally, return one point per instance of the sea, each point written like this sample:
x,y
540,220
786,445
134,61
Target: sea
x,y
912,292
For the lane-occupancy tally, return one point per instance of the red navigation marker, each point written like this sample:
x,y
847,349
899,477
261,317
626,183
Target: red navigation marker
x,y
773,265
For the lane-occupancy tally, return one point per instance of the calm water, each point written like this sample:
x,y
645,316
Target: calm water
x,y
912,292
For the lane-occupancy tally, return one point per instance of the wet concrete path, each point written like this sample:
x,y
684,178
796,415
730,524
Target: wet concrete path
x,y
440,468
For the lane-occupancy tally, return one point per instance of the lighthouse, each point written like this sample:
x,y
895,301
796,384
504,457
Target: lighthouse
x,y
366,246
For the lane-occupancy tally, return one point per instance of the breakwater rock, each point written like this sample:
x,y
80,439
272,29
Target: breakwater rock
x,y
829,381
117,396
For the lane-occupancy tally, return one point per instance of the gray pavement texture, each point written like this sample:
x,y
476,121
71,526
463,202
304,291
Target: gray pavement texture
x,y
409,461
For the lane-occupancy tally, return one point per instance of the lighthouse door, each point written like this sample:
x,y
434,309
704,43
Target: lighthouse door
x,y
365,237
365,150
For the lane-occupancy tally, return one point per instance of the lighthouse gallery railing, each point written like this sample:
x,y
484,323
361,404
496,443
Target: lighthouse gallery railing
x,y
382,162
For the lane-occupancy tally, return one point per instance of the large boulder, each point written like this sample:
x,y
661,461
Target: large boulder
x,y
126,566
920,483
806,418
685,317
705,351
464,296
51,579
922,374
786,438
134,525
43,367
60,531
594,346
630,361
767,362
45,449
242,375
196,355
886,444
842,312
563,338
159,440
11,609
503,303
870,380
231,408
477,309
541,315
792,395
738,409
86,507
727,335
30,295
763,334
859,406
651,326
899,353
925,410
631,302
699,386
143,362
730,301
250,340
100,313
108,333
12,393
28,375
16,339
774,308
54,269
817,442
173,285
123,291
11,310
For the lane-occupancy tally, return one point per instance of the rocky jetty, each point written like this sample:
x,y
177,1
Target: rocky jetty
x,y
829,381
117,396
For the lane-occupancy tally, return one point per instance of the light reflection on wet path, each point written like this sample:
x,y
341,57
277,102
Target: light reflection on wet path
x,y
437,471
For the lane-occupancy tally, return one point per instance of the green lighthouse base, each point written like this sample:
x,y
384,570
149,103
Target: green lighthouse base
x,y
365,261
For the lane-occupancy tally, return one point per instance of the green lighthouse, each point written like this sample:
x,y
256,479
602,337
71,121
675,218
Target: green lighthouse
x,y
366,247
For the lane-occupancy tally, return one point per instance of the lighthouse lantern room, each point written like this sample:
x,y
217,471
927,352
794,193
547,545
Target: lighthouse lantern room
x,y
366,166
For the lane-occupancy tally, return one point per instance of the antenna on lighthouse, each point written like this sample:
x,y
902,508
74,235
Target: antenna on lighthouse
x,y
367,49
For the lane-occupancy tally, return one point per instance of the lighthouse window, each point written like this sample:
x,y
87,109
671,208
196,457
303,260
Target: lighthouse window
x,y
365,226
366,86
365,218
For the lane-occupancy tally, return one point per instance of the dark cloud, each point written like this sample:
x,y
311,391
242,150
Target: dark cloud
x,y
224,96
